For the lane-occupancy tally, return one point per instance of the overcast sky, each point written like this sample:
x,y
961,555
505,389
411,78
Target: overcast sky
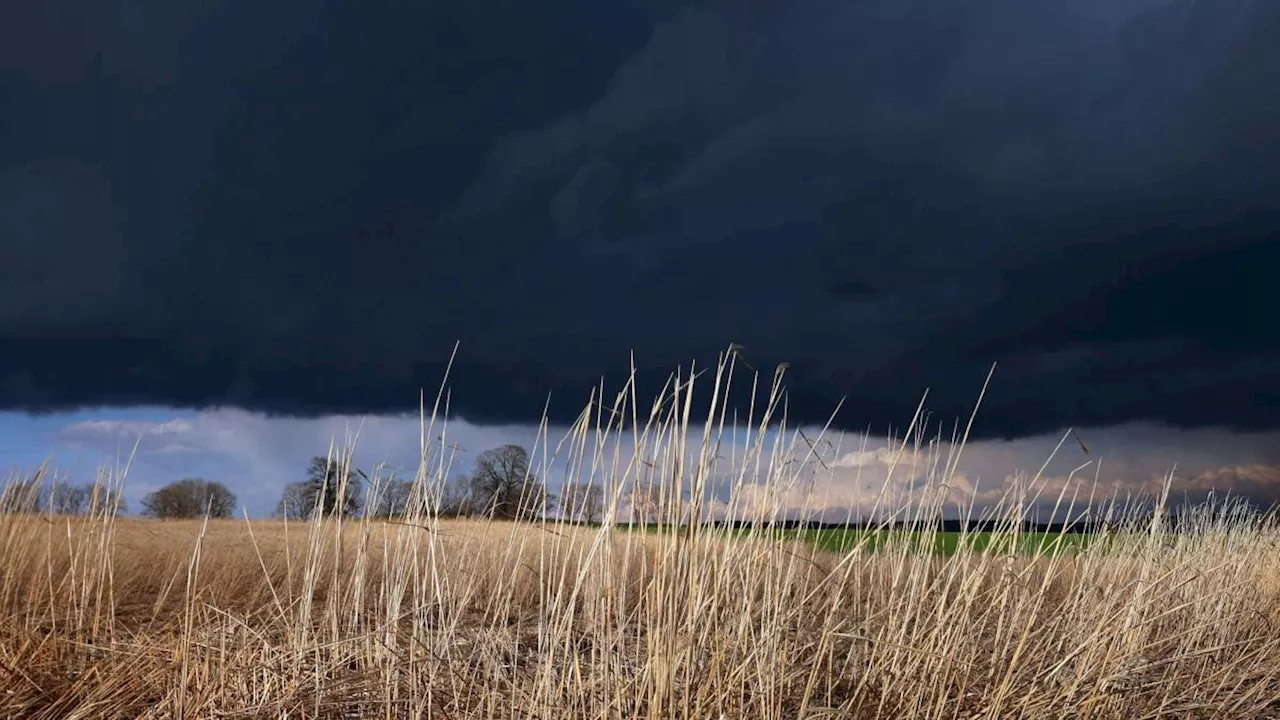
x,y
296,209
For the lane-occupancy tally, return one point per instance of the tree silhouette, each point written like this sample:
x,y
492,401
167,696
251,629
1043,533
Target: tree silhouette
x,y
394,498
296,502
503,487
190,498
332,486
582,502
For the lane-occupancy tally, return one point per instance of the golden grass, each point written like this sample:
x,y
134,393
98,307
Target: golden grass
x,y
107,617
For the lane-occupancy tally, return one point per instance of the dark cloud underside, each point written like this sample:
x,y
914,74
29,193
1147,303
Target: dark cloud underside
x,y
300,207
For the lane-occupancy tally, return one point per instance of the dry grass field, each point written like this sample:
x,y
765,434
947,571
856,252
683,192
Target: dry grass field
x,y
134,618
106,617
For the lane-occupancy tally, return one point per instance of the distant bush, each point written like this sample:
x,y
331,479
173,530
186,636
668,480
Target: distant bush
x,y
190,498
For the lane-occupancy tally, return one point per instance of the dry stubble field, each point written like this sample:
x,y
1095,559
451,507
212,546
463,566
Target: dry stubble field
x,y
106,617
133,618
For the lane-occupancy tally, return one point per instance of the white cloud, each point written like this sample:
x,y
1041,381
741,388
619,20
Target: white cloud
x,y
1123,461
92,430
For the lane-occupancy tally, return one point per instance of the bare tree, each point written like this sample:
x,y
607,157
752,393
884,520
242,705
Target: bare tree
x,y
69,499
100,497
333,486
190,498
396,498
393,498
296,502
23,496
504,487
455,497
583,502
34,495
644,498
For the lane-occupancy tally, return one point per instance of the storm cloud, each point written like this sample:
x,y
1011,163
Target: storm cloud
x,y
300,207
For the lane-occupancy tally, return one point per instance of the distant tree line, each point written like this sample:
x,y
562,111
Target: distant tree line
x,y
186,498
39,494
502,486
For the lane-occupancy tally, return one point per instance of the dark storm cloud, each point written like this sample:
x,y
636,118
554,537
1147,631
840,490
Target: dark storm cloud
x,y
299,207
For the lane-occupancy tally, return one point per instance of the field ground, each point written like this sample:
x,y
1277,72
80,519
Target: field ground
x,y
131,618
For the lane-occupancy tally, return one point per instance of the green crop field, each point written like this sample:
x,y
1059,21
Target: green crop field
x,y
841,540
943,543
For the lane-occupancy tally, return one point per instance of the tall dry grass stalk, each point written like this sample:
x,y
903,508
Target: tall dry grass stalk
x,y
107,617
